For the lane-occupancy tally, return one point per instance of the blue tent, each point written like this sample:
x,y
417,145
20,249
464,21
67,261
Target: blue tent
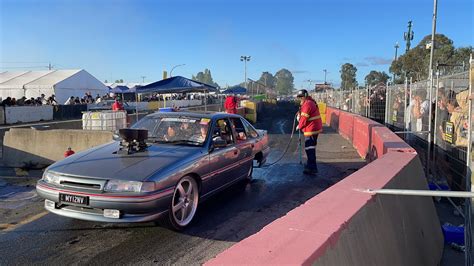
x,y
176,84
121,89
235,90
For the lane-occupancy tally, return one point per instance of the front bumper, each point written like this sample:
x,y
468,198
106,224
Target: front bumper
x,y
143,208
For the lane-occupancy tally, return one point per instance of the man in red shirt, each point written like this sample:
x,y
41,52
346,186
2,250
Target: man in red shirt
x,y
230,104
117,106
311,124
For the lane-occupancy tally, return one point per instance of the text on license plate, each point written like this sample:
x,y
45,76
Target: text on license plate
x,y
81,200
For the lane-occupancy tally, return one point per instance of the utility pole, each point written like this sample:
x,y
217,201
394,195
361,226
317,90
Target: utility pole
x,y
395,59
143,79
245,58
325,73
408,36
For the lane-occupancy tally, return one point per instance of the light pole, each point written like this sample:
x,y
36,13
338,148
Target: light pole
x,y
143,79
245,58
174,68
396,52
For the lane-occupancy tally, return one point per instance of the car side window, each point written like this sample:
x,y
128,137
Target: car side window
x,y
251,132
222,129
238,126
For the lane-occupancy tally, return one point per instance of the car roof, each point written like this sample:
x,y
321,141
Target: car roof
x,y
210,115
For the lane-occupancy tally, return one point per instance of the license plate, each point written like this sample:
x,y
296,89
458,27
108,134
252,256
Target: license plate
x,y
79,200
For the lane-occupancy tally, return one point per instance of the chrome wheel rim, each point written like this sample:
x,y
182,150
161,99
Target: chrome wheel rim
x,y
185,201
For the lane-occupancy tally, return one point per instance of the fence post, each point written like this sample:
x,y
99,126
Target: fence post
x,y
387,95
469,237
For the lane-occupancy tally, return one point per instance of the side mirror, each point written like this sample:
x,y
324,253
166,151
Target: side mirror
x,y
218,142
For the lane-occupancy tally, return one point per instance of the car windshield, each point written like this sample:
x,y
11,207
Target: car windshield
x,y
175,130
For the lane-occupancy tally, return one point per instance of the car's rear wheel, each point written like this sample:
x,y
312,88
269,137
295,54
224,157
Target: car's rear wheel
x,y
184,203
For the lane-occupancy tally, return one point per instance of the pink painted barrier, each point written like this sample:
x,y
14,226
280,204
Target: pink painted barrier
x,y
332,117
384,140
346,125
343,226
362,137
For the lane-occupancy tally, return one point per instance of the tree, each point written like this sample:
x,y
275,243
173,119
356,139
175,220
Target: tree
x,y
348,76
376,77
284,81
205,77
268,79
415,63
119,81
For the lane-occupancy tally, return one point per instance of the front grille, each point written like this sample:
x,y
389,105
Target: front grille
x,y
81,185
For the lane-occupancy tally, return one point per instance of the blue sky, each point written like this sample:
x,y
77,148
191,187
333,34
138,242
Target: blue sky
x,y
127,39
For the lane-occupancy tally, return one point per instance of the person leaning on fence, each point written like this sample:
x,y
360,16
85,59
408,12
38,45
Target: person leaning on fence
x,y
420,111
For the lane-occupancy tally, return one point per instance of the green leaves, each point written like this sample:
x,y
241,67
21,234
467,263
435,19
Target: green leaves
x,y
415,63
205,77
284,81
376,77
348,76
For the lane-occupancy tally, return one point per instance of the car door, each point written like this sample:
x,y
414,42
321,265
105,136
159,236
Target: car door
x,y
245,143
224,161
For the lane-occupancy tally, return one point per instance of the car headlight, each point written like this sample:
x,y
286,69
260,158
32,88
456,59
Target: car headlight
x,y
51,178
129,186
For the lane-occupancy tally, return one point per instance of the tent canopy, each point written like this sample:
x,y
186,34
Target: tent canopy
x,y
176,84
122,89
235,90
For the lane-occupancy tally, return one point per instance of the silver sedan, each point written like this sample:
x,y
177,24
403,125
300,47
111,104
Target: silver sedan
x,y
161,168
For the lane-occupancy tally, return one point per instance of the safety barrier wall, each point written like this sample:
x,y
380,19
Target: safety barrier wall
x,y
345,226
362,137
38,148
24,114
2,115
346,125
64,112
332,117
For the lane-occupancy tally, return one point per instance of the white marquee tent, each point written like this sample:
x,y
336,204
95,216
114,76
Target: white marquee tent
x,y
62,83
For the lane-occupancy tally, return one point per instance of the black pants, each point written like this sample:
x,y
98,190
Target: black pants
x,y
310,149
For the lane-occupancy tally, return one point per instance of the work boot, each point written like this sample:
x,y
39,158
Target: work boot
x,y
309,171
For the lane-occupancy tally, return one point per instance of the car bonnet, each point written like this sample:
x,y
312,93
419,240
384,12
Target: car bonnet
x,y
104,163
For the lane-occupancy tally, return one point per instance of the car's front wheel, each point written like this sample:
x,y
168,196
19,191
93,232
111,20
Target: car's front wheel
x,y
184,203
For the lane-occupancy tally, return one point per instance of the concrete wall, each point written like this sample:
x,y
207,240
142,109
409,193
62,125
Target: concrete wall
x,y
345,226
39,148
362,137
26,114
2,115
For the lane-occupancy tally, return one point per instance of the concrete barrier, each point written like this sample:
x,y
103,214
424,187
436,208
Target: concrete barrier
x,y
343,226
332,117
384,140
39,148
346,125
362,135
2,115
24,114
